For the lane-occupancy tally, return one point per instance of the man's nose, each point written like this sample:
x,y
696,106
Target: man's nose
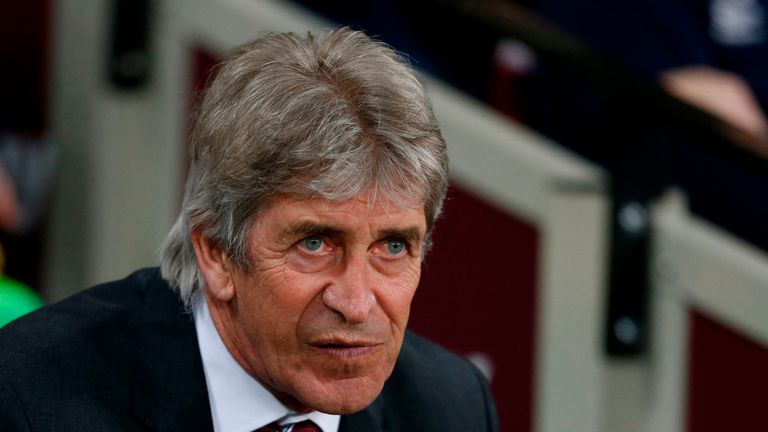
x,y
351,293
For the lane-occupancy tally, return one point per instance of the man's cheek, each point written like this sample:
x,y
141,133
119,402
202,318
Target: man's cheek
x,y
397,298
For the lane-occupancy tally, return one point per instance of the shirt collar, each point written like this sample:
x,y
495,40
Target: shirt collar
x,y
240,403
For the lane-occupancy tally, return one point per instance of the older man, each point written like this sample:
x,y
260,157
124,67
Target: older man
x,y
317,174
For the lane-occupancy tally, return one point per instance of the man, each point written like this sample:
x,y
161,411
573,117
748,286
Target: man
x,y
317,174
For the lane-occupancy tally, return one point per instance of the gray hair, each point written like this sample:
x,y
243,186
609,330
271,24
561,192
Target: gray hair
x,y
329,117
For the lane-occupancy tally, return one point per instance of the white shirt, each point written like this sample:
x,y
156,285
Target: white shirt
x,y
240,403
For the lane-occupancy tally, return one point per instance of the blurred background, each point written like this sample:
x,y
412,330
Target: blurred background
x,y
603,254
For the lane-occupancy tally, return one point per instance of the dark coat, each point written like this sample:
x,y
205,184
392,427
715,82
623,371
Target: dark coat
x,y
124,356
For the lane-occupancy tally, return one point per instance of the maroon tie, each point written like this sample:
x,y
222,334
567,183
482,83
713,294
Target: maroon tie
x,y
305,426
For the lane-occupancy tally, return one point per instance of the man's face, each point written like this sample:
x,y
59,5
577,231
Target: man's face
x,y
320,317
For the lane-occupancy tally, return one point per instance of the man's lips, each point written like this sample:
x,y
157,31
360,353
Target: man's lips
x,y
345,349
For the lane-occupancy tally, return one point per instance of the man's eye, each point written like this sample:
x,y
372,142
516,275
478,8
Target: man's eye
x,y
313,244
395,247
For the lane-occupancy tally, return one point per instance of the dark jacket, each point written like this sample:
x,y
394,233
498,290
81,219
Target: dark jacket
x,y
124,356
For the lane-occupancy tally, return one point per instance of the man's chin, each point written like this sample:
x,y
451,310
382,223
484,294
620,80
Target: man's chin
x,y
342,407
345,396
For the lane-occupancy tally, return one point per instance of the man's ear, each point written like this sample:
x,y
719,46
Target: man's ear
x,y
215,267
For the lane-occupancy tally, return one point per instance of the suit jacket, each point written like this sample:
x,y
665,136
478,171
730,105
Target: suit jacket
x,y
124,356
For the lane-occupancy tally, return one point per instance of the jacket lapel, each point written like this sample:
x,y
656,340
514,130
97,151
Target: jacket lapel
x,y
170,391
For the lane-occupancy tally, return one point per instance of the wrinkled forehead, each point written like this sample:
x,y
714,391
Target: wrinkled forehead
x,y
361,187
371,201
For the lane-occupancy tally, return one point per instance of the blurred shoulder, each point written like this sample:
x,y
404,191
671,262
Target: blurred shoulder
x,y
423,361
432,387
98,312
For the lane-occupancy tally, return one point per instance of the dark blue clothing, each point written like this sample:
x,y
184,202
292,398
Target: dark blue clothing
x,y
657,35
653,36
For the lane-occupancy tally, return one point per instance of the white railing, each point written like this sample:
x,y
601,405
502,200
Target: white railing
x,y
697,265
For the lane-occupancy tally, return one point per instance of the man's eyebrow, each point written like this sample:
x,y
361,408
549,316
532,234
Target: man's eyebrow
x,y
307,228
411,234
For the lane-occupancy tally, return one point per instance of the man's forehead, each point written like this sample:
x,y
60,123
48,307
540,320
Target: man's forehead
x,y
367,204
303,215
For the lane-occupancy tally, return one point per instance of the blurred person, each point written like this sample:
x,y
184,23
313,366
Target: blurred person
x,y
712,54
16,298
9,205
26,170
317,174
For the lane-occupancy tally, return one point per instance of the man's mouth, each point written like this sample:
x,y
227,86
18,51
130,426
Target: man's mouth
x,y
346,350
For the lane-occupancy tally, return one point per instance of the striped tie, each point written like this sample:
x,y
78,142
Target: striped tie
x,y
305,426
